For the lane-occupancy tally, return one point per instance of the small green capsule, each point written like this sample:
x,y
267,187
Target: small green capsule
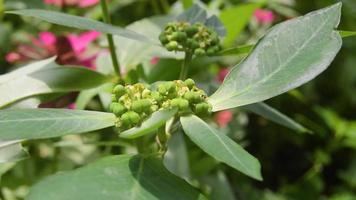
x,y
142,105
167,87
172,45
211,51
156,96
199,52
113,98
119,90
117,108
130,118
191,30
180,103
192,97
190,83
203,108
163,38
181,36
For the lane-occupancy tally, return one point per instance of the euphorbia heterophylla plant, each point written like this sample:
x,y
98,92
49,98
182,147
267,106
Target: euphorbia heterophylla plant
x,y
289,55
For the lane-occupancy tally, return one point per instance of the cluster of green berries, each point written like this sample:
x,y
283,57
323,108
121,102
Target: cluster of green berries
x,y
132,104
196,39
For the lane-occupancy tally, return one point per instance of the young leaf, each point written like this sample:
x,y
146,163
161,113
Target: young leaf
x,y
238,50
81,23
18,124
156,120
51,79
345,34
274,115
193,15
291,54
235,19
215,23
220,147
11,151
116,177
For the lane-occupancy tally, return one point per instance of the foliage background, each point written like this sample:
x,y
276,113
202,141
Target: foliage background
x,y
321,165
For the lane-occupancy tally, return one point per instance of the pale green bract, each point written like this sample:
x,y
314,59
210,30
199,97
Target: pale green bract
x,y
116,177
291,54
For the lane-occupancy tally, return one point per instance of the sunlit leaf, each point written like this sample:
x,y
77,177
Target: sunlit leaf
x,y
291,54
11,151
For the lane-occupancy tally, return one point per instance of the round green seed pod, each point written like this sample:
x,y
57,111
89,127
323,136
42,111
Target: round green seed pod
x,y
117,108
119,90
156,96
203,108
199,52
113,98
191,30
192,97
180,103
190,83
130,118
163,38
172,45
174,36
181,36
141,106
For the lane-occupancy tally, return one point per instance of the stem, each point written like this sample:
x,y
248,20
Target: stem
x,y
165,6
162,138
106,17
185,66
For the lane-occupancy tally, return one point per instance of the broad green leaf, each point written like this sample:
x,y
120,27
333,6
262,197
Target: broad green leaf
x,y
156,120
81,23
345,34
116,177
291,54
176,157
47,80
220,147
18,124
85,96
274,115
193,15
221,189
11,151
235,20
215,23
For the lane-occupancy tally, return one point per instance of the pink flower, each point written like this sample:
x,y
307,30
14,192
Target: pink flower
x,y
13,57
79,3
154,60
221,75
264,16
223,118
87,3
71,106
80,42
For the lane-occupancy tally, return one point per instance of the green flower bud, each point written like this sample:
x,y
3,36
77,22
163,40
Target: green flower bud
x,y
203,108
117,108
190,83
211,51
181,36
180,103
142,105
130,118
172,45
199,52
113,98
119,90
156,96
163,38
167,87
193,97
191,30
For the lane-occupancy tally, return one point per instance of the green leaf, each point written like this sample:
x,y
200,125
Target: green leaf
x,y
11,151
48,77
291,54
274,115
193,15
17,124
220,147
238,50
156,120
85,96
345,34
235,20
116,177
80,23
215,23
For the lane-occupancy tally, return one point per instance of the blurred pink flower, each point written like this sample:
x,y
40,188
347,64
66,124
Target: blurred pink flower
x,y
71,49
154,60
223,118
79,3
264,16
221,75
71,106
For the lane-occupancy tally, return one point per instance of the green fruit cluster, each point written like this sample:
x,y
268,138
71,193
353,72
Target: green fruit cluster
x,y
132,104
196,39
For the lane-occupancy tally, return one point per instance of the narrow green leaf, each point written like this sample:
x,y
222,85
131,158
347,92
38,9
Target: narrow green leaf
x,y
51,78
18,124
238,50
85,96
11,151
274,115
345,34
80,23
220,147
116,177
156,120
235,20
291,54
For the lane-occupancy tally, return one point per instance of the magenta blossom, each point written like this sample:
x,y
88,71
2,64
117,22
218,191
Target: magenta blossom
x,y
79,3
264,16
221,75
154,60
223,118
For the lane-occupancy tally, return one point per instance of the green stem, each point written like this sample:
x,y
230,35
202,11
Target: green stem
x,y
109,37
162,137
185,66
165,6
